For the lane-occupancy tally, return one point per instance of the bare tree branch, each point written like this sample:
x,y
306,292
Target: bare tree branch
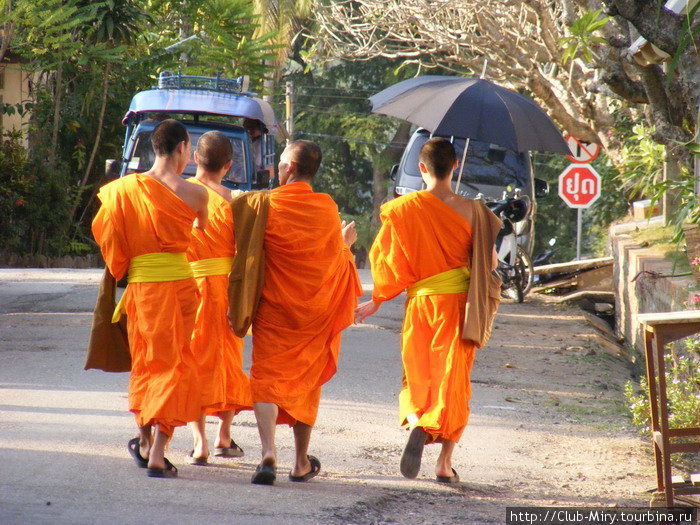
x,y
654,22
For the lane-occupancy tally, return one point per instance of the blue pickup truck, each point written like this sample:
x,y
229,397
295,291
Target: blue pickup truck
x,y
203,104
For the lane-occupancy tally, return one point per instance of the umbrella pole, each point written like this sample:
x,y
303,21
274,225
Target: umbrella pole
x,y
461,165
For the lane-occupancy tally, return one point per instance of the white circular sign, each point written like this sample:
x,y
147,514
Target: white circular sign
x,y
582,152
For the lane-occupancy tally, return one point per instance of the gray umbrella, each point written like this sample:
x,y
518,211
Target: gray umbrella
x,y
471,108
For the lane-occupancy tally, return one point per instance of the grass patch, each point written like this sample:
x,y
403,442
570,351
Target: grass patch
x,y
607,414
659,239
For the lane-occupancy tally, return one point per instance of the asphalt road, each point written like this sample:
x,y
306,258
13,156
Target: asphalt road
x,y
547,428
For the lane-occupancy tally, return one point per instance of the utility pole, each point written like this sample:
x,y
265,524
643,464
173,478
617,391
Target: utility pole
x,y
289,107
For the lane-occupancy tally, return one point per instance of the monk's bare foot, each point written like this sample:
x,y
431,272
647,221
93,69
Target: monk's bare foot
x,y
200,453
223,441
269,461
157,463
301,467
144,448
443,469
200,449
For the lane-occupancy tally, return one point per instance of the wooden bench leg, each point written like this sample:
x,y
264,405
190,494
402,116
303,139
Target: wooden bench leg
x,y
659,343
653,406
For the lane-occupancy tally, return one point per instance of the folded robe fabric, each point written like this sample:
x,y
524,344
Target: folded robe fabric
x,y
308,297
422,237
139,216
219,352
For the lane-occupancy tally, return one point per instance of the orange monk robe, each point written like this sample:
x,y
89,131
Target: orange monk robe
x,y
219,352
309,296
139,215
421,236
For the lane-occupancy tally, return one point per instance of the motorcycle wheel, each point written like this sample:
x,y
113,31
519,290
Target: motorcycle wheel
x,y
517,290
511,287
525,272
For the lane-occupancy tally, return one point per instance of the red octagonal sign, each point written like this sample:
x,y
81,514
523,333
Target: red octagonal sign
x,y
579,186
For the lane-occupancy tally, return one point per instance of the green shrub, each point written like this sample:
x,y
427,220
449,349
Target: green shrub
x,y
35,202
682,389
15,187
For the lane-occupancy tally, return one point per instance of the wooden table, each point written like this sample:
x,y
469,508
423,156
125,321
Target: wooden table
x,y
659,330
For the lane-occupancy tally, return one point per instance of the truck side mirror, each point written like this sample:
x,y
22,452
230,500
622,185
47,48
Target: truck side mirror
x,y
262,179
541,188
394,170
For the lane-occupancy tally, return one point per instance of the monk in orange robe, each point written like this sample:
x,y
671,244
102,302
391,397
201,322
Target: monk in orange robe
x,y
225,387
144,226
309,295
425,234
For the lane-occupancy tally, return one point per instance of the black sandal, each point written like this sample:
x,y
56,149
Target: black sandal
x,y
135,451
315,469
413,453
265,474
199,462
232,451
454,478
170,471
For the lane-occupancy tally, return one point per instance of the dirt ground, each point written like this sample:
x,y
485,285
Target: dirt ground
x,y
549,426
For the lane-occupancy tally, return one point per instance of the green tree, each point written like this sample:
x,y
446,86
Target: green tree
x,y
86,60
115,24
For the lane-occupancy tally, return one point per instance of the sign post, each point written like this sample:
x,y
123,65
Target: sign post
x,y
579,187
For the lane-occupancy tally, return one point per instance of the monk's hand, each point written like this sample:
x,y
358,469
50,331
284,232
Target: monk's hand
x,y
349,232
364,310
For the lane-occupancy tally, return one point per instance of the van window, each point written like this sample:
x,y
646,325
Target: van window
x,y
144,157
485,163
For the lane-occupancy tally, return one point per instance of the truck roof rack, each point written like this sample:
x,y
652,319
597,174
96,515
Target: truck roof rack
x,y
169,80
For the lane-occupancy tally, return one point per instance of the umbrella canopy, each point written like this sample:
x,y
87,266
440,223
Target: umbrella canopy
x,y
472,108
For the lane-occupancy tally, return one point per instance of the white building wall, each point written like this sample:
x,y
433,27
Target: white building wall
x,y
14,89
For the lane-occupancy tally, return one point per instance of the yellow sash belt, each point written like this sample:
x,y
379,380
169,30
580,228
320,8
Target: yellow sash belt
x,y
213,266
449,282
155,268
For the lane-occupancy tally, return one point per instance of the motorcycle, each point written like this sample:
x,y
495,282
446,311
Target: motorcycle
x,y
543,259
514,262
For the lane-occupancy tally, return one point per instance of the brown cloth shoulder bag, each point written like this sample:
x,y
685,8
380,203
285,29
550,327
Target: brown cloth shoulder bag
x,y
108,348
484,286
247,275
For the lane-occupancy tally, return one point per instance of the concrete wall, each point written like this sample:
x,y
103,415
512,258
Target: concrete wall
x,y
15,90
652,291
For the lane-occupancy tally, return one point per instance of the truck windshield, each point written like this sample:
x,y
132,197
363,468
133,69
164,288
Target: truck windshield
x,y
485,163
143,157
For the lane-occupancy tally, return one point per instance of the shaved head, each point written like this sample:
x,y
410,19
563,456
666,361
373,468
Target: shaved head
x,y
306,155
214,150
439,157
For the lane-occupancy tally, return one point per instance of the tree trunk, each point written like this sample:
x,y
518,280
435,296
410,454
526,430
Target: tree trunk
x,y
100,122
58,88
6,36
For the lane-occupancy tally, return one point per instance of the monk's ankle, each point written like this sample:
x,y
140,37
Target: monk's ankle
x,y
223,443
144,448
301,468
